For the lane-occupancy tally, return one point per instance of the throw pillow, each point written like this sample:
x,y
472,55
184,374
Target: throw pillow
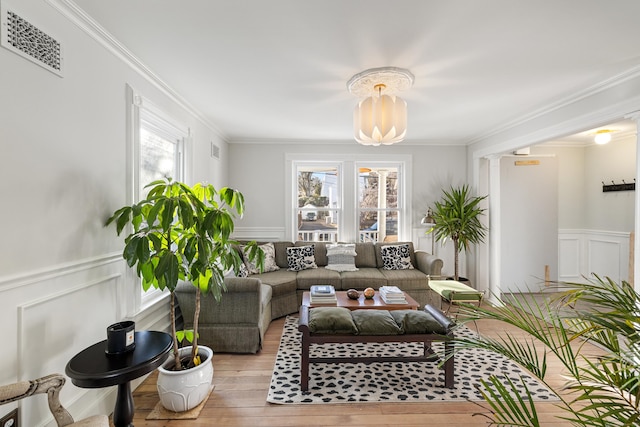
x,y
396,257
269,260
301,257
243,271
341,257
331,320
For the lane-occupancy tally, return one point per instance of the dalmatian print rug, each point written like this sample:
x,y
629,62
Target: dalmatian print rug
x,y
388,381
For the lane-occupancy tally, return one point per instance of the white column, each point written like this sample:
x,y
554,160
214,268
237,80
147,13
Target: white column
x,y
636,242
382,203
494,229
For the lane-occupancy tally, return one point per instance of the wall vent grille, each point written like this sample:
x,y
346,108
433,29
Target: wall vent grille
x,y
20,36
215,151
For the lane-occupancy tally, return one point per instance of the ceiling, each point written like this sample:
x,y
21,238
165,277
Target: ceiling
x,y
277,70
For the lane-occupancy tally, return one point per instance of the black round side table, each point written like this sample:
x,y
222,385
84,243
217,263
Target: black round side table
x,y
94,368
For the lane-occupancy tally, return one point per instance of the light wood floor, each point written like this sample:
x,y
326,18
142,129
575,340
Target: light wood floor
x,y
241,384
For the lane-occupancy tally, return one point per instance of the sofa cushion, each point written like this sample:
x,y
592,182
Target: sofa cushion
x,y
375,322
378,247
406,279
396,257
417,322
331,320
363,278
318,276
281,281
365,255
301,258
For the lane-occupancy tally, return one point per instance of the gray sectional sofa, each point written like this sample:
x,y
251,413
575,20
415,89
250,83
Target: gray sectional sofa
x,y
238,322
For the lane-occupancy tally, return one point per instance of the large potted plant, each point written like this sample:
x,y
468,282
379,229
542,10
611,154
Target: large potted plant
x,y
177,233
457,217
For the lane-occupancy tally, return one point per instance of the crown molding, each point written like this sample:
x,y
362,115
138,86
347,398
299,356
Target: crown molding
x,y
629,74
88,25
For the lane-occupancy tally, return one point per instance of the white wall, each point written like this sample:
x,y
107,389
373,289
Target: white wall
x,y
594,226
258,170
529,222
616,161
63,157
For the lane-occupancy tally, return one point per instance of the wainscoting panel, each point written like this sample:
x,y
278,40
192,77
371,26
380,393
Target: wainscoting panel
x,y
569,252
584,252
52,315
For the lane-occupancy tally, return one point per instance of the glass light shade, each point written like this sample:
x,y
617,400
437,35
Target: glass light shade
x,y
380,120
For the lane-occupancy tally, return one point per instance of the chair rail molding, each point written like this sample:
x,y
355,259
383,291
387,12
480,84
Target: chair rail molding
x,y
259,233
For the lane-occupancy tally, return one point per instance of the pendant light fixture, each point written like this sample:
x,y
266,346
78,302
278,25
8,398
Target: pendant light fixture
x,y
381,116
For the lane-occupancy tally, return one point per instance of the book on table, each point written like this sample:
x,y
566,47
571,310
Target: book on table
x,y
322,294
392,295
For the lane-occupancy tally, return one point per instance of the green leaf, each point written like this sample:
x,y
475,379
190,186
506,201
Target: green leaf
x,y
130,253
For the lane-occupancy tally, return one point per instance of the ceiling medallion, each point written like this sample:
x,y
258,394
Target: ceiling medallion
x,y
381,117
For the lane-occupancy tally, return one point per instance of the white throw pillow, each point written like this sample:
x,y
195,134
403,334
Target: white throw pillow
x,y
341,257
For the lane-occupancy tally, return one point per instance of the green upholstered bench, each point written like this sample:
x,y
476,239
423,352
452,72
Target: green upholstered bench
x,y
323,325
453,292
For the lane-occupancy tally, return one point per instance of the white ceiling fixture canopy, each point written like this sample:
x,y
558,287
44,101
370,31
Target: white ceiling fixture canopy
x,y
381,117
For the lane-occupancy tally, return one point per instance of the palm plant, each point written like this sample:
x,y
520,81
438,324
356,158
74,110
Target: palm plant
x,y
183,233
457,217
602,392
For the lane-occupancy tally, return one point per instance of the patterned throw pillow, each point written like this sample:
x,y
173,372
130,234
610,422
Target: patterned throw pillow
x,y
269,260
243,271
396,257
301,258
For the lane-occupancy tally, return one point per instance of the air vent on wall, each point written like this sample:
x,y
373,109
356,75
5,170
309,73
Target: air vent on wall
x,y
215,151
20,36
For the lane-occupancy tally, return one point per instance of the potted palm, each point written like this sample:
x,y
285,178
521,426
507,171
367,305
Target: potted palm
x,y
177,233
457,217
601,389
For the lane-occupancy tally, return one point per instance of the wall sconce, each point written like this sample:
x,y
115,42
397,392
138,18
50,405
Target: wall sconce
x,y
430,222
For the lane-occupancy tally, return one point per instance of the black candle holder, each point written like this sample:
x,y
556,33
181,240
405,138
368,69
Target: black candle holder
x,y
121,337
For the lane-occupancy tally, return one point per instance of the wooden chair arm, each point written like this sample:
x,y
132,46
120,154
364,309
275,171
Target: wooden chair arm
x,y
50,384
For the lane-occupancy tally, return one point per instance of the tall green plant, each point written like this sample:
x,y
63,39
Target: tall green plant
x,y
457,217
183,233
605,390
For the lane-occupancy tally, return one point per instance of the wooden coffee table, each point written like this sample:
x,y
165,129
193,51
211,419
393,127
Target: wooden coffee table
x,y
352,304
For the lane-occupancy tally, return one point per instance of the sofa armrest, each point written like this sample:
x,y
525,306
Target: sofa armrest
x,y
428,264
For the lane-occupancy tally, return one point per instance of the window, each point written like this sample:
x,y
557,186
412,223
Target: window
x,y
156,150
353,199
160,151
378,204
318,203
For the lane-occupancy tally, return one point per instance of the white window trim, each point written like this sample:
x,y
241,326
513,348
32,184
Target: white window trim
x,y
349,164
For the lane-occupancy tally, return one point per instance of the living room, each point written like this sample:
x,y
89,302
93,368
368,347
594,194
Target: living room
x,y
68,161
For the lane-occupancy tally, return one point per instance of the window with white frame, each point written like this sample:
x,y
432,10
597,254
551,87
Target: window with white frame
x,y
350,200
318,202
378,203
157,146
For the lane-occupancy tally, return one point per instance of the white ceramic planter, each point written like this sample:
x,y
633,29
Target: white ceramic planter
x,y
184,390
